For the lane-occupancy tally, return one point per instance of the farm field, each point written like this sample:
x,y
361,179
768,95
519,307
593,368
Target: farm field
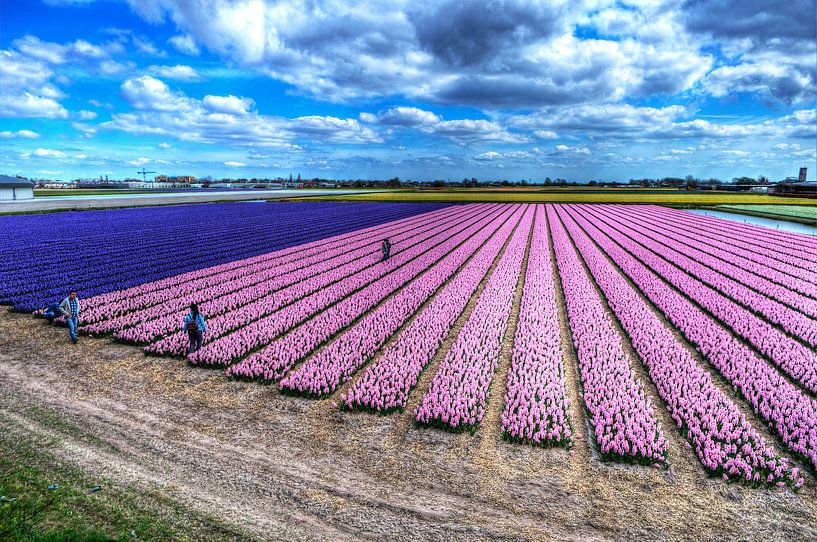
x,y
569,195
524,367
802,213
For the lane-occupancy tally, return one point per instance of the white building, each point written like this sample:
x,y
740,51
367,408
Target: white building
x,y
12,188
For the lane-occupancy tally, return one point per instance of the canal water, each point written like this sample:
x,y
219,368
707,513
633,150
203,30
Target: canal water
x,y
784,225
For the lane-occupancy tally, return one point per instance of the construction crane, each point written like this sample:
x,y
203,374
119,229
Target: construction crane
x,y
144,173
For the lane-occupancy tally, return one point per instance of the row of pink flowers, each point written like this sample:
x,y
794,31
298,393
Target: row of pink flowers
x,y
621,415
250,283
537,409
720,276
458,394
762,263
792,357
124,301
277,358
790,413
721,436
113,267
235,333
385,386
798,249
322,373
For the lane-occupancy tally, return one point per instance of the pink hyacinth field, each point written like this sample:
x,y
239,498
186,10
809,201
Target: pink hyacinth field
x,y
514,350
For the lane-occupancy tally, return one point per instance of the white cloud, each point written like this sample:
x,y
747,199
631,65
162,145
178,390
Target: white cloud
x,y
225,120
86,129
178,72
164,146
232,105
112,67
30,106
184,43
513,53
84,114
49,153
149,93
235,164
24,134
406,116
33,47
784,82
461,131
489,155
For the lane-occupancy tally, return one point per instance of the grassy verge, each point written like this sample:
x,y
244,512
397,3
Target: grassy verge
x,y
43,498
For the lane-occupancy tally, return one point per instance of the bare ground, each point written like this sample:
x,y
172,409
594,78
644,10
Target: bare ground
x,y
281,467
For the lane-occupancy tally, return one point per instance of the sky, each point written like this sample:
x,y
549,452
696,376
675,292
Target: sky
x,y
423,90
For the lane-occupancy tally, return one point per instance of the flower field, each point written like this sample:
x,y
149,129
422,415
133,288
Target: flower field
x,y
709,323
805,212
103,251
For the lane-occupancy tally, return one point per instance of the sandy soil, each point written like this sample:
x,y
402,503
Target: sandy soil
x,y
289,468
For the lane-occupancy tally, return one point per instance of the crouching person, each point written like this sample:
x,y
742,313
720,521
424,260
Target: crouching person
x,y
52,312
195,326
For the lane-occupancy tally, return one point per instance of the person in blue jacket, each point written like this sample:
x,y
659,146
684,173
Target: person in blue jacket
x,y
195,326
52,312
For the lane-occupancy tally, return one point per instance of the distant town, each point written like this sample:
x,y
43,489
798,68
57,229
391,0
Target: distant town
x,y
790,185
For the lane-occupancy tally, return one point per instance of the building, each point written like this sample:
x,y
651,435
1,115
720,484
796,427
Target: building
x,y
803,174
797,189
181,179
12,188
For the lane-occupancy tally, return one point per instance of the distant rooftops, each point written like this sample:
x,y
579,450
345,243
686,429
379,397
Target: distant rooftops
x,y
8,182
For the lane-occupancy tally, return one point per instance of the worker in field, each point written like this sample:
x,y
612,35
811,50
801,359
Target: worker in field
x,y
195,326
385,248
52,312
70,309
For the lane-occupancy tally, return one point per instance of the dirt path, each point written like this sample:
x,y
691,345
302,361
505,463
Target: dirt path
x,y
250,457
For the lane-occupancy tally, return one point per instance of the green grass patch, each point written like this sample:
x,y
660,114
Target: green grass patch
x,y
44,498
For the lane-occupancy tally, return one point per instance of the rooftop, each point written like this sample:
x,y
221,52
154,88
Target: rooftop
x,y
7,182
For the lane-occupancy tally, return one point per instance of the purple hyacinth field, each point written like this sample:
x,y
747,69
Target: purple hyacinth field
x,y
645,346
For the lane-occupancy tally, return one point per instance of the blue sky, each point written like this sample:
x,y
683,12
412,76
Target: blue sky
x,y
592,89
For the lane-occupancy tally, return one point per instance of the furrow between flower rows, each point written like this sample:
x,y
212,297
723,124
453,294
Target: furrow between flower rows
x,y
622,417
250,284
790,413
723,439
458,393
706,268
762,264
274,360
146,258
793,358
236,333
537,409
386,385
321,374
114,304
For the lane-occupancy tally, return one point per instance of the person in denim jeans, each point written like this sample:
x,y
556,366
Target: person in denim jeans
x,y
195,326
70,309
